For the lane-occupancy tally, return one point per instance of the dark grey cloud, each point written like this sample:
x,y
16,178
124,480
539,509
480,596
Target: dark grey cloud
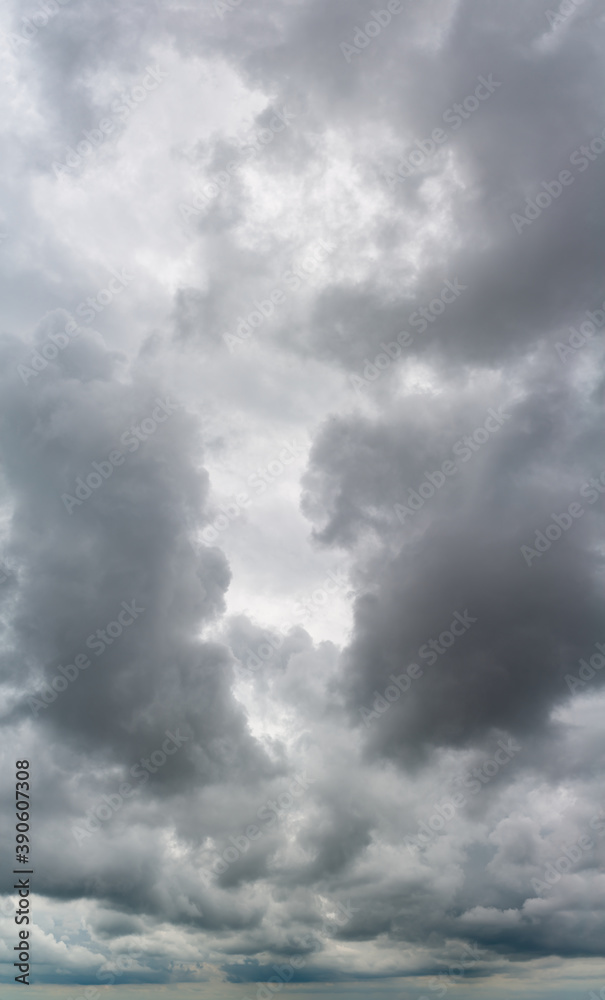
x,y
461,549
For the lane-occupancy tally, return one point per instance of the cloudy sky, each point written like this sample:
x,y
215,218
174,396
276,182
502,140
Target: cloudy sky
x,y
302,535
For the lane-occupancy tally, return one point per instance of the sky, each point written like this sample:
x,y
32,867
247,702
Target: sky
x,y
302,498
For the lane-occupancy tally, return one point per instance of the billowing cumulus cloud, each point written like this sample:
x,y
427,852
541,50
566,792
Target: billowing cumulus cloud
x,y
302,496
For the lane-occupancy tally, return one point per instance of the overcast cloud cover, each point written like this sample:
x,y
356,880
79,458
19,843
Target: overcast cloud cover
x,y
333,300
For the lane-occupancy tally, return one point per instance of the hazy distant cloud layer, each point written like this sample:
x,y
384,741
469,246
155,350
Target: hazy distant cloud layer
x,y
303,487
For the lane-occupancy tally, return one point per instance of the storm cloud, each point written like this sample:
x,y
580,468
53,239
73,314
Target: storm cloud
x,y
301,559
